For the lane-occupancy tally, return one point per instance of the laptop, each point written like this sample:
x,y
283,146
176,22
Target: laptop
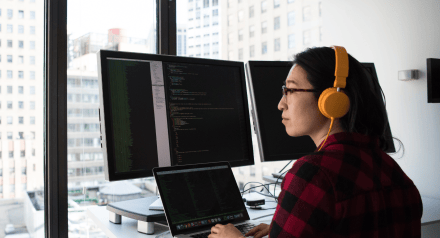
x,y
199,196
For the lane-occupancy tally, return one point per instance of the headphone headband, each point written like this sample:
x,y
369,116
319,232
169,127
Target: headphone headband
x,y
341,69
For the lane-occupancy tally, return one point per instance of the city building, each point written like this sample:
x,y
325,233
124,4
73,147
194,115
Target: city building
x,y
269,29
204,29
181,40
21,98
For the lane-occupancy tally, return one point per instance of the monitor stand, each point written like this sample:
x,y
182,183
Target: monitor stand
x,y
138,209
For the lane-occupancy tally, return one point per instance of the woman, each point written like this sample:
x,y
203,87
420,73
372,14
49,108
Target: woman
x,y
349,187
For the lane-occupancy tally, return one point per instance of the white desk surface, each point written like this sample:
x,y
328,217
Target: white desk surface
x,y
128,227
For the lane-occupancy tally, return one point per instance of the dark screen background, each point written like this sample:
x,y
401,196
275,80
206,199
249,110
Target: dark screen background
x,y
277,144
200,195
132,116
206,111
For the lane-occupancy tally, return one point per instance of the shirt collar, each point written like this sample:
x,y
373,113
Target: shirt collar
x,y
349,138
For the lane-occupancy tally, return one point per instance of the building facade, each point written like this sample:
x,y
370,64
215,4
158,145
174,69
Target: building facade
x,y
21,97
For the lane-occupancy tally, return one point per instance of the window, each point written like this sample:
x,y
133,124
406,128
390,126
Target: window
x,y
251,11
9,13
306,37
251,31
205,3
32,90
20,135
32,105
9,74
264,27
20,44
240,15
240,35
251,51
9,28
31,74
291,18
290,1
32,15
307,14
20,104
214,3
31,59
276,3
20,74
230,38
9,120
276,23
277,44
291,41
20,119
23,169
240,54
9,58
9,135
32,120
32,30
320,9
231,55
264,48
32,45
9,43
9,104
230,20
20,89
20,29
20,59
20,14
215,12
264,6
9,89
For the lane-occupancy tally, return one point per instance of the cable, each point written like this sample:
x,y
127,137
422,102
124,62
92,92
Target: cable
x,y
262,185
274,187
263,216
285,166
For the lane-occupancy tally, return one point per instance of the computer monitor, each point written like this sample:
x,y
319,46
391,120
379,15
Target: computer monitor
x,y
265,79
158,110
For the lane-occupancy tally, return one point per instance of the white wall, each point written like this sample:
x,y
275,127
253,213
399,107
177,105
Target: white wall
x,y
397,35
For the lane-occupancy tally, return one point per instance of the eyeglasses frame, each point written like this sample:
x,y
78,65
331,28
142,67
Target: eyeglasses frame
x,y
285,90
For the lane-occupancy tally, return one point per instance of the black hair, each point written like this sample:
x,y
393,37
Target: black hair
x,y
367,114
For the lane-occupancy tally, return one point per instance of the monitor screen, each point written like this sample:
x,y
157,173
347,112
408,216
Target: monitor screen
x,y
265,79
158,110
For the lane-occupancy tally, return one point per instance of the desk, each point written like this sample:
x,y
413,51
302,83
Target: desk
x,y
128,226
431,206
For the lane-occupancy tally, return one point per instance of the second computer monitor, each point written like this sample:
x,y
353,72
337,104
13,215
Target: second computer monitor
x,y
159,110
265,79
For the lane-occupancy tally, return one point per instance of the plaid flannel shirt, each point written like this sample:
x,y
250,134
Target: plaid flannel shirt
x,y
351,188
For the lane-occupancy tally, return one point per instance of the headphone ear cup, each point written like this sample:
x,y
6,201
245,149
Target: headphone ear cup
x,y
332,103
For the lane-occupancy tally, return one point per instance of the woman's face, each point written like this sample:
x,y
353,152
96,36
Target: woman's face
x,y
300,113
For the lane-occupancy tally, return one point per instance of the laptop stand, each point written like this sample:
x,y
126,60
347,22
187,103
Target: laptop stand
x,y
137,209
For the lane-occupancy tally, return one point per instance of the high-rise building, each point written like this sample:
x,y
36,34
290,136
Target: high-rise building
x,y
21,98
85,160
204,29
181,40
270,29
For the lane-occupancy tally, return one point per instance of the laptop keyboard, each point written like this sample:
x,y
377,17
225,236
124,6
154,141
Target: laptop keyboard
x,y
243,228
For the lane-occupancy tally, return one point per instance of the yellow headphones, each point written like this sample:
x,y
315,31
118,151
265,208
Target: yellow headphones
x,y
332,103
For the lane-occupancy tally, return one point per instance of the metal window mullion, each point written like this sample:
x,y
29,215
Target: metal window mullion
x,y
166,27
55,161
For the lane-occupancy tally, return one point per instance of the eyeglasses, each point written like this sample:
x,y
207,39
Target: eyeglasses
x,y
285,90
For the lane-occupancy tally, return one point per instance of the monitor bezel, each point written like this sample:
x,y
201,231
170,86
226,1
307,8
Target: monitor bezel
x,y
105,109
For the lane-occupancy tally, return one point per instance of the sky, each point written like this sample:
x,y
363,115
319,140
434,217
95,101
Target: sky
x,y
135,16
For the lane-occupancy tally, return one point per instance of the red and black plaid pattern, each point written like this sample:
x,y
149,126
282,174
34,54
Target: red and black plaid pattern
x,y
351,188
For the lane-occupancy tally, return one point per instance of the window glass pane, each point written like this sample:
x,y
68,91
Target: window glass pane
x,y
21,143
253,30
128,25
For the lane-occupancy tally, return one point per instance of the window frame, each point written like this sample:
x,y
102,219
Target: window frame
x,y
55,73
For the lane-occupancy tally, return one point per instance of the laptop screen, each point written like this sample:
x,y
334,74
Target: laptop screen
x,y
197,196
